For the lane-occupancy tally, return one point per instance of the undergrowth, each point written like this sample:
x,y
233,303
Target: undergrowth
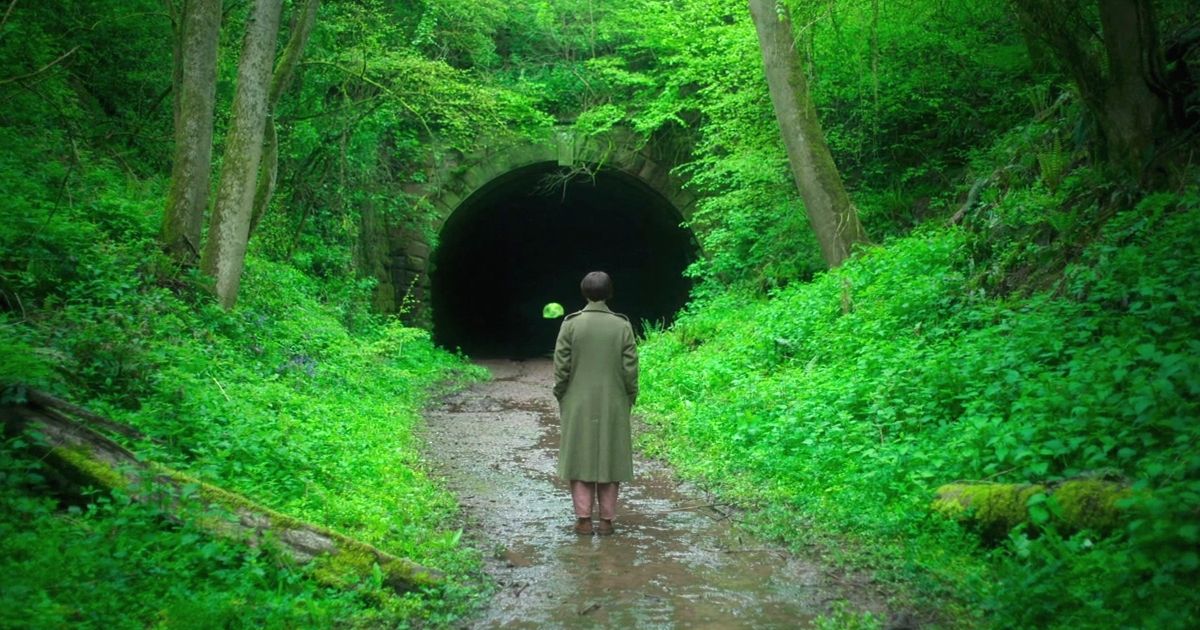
x,y
299,399
837,407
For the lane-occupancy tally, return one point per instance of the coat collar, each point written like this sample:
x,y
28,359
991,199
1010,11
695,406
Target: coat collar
x,y
597,306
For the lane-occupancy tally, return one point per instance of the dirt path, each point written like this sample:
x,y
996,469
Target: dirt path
x,y
668,565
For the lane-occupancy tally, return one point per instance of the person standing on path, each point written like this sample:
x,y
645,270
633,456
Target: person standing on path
x,y
596,384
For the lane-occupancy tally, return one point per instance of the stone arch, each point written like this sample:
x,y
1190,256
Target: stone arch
x,y
617,150
402,255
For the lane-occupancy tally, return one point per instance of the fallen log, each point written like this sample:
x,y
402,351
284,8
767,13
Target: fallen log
x,y
87,458
996,508
50,403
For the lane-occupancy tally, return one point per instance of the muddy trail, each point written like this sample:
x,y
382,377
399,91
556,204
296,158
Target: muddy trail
x,y
675,561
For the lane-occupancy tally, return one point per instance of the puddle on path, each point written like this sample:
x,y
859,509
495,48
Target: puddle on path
x,y
671,564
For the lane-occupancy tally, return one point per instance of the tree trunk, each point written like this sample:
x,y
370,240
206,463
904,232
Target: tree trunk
x,y
174,13
833,218
225,252
1133,116
1040,57
876,108
195,77
284,71
1117,86
84,457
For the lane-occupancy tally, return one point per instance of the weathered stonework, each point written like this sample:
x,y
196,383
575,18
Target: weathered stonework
x,y
399,256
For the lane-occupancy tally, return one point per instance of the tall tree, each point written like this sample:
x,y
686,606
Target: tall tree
x,y
225,252
302,26
833,217
195,77
1121,81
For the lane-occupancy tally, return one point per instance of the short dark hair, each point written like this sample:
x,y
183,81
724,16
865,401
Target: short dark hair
x,y
596,286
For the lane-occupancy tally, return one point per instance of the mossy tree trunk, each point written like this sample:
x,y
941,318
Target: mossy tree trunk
x,y
198,29
1121,78
85,457
302,26
833,218
225,252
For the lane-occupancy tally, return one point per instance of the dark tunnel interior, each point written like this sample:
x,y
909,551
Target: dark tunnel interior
x,y
517,244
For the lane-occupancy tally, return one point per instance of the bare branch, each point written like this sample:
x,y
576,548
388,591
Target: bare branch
x,y
362,76
44,68
7,12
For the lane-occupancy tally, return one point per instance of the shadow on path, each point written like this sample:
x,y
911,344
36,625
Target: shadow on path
x,y
672,563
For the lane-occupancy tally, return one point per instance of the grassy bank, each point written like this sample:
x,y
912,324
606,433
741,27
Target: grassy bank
x,y
835,408
299,398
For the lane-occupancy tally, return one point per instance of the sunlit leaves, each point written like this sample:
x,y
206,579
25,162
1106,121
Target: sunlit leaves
x,y
853,417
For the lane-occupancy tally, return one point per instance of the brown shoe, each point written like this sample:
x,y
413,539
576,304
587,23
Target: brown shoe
x,y
605,528
583,526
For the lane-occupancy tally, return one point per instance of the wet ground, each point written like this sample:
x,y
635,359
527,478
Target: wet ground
x,y
675,560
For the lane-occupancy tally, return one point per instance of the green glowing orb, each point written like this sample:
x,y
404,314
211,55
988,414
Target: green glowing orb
x,y
552,310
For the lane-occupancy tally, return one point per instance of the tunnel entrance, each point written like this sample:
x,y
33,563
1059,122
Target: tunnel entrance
x,y
517,244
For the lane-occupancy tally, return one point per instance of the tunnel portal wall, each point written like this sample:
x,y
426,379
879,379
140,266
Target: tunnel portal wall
x,y
399,256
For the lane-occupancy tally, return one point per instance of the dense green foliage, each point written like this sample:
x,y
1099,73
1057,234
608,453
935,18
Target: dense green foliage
x,y
847,400
1050,333
1053,338
299,399
368,116
901,108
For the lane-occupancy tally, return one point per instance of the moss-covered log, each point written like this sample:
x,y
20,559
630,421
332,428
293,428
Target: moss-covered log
x,y
88,458
996,508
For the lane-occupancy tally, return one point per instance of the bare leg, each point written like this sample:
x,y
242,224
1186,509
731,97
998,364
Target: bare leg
x,y
608,499
583,494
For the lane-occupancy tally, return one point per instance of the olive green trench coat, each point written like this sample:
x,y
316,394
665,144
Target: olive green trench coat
x,y
596,384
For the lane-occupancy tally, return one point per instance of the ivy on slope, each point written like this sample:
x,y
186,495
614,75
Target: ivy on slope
x,y
299,399
841,404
